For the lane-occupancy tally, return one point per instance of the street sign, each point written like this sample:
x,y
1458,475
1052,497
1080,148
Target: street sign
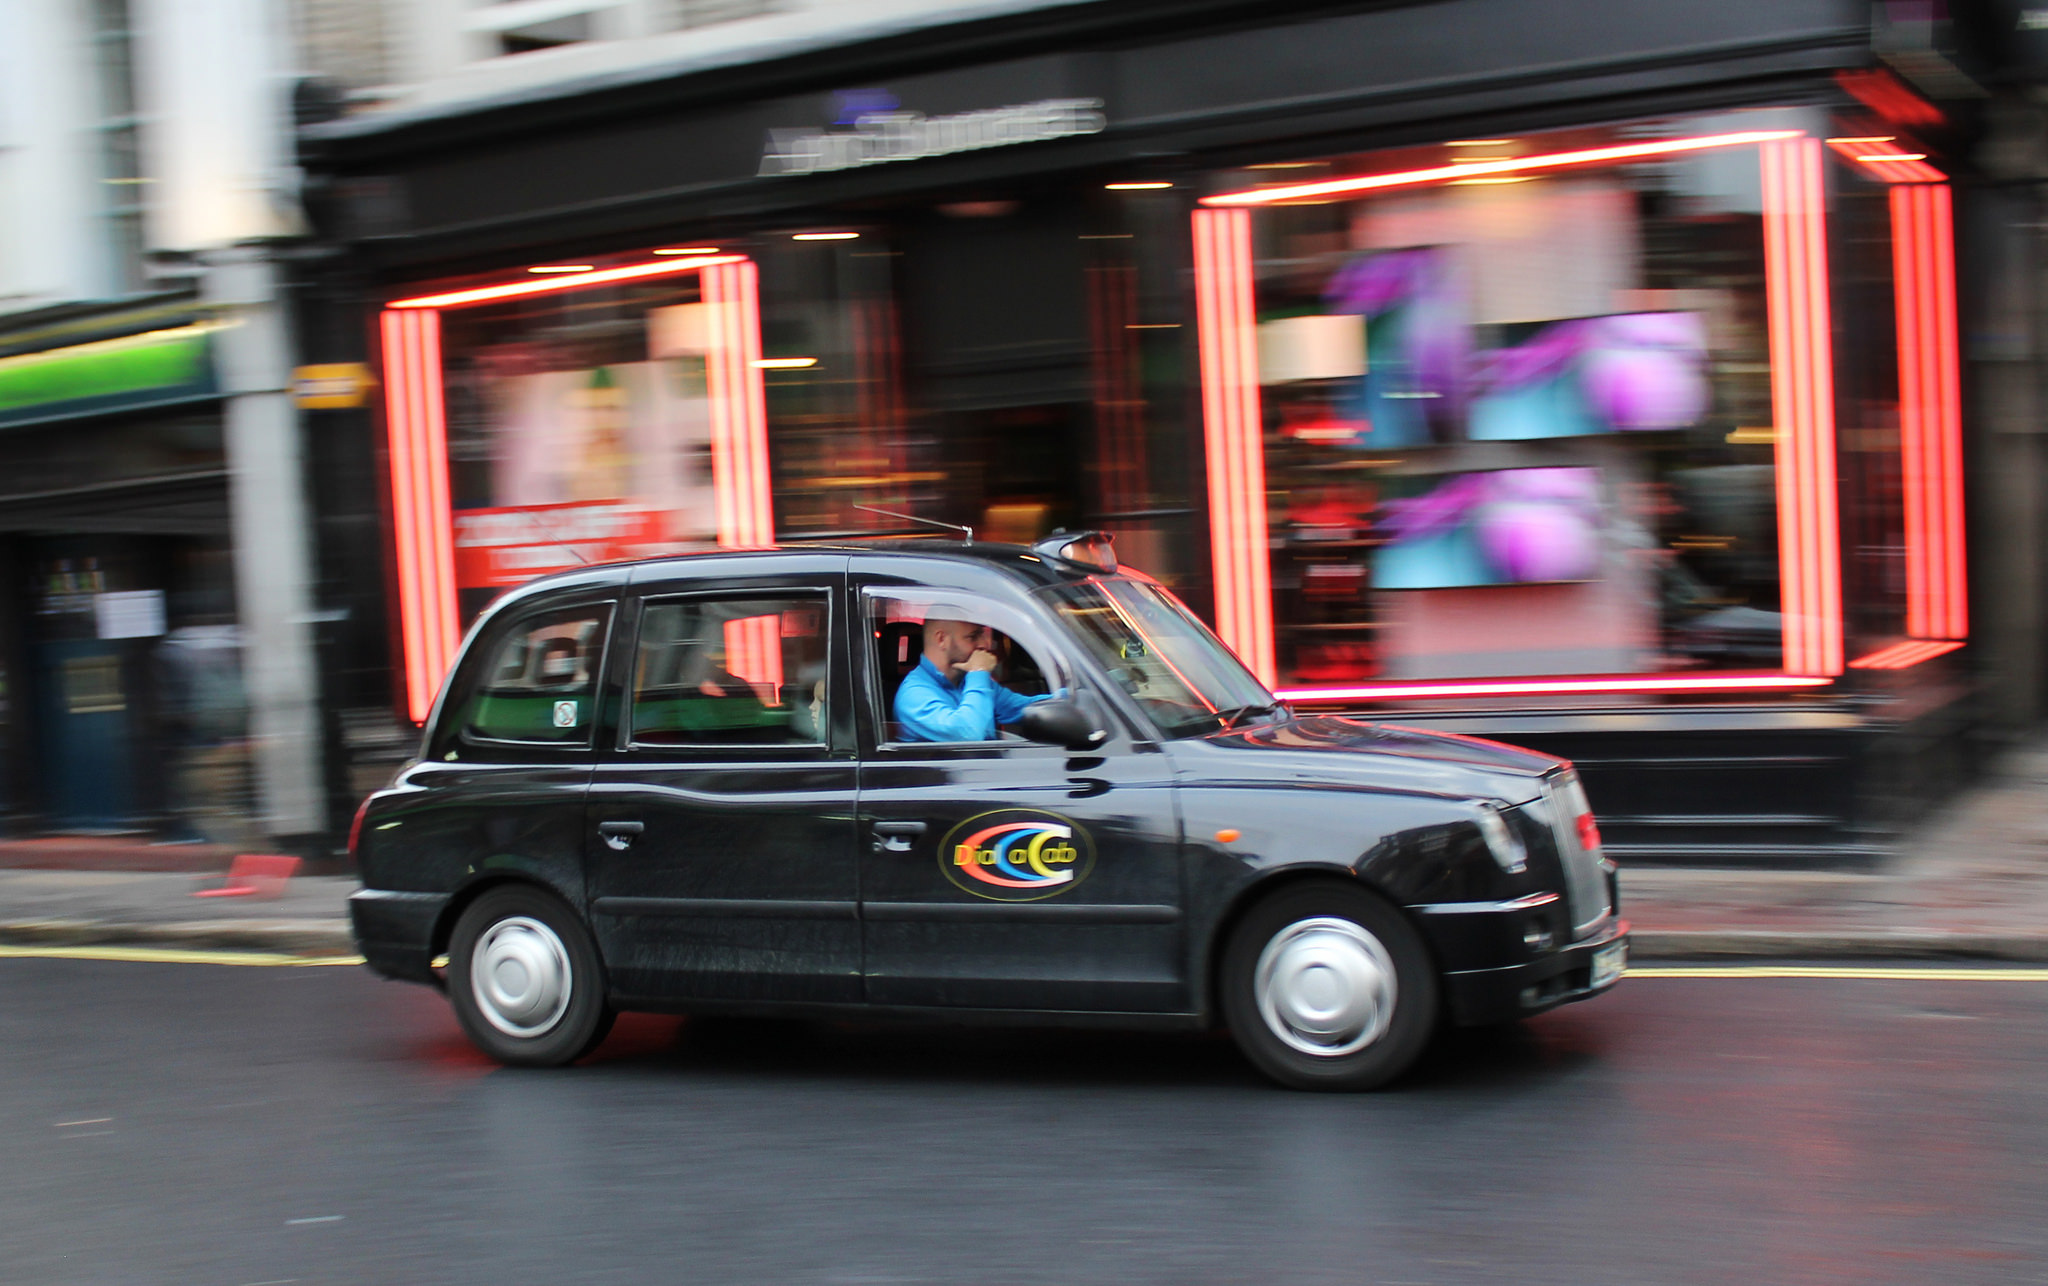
x,y
332,385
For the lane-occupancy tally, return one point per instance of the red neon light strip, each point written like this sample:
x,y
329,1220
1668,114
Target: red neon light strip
x,y
566,281
1886,95
1802,396
739,452
738,407
443,635
1510,165
1901,655
1231,436
1593,683
1930,411
398,383
419,502
1952,616
1864,152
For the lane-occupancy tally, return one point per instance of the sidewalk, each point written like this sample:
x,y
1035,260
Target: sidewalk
x,y
1971,883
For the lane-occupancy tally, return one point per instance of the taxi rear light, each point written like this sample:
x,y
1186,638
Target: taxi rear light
x,y
355,827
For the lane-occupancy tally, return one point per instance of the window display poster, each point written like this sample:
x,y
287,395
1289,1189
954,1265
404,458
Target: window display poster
x,y
630,431
593,465
1504,527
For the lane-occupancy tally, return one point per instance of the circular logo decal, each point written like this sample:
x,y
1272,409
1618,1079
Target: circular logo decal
x,y
1016,855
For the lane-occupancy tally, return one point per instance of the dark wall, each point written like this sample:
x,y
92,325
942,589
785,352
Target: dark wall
x,y
620,160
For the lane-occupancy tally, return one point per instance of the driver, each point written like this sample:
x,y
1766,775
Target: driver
x,y
953,695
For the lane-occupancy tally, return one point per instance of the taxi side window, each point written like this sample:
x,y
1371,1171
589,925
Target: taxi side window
x,y
539,683
896,626
731,671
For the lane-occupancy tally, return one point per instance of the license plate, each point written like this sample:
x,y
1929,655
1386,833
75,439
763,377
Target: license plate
x,y
1608,962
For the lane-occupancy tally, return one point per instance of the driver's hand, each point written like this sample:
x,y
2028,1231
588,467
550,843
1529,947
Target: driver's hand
x,y
981,662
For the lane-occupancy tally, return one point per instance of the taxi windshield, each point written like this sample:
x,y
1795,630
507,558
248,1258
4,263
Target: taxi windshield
x,y
1157,651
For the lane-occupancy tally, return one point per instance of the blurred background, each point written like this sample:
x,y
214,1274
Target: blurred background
x,y
1660,385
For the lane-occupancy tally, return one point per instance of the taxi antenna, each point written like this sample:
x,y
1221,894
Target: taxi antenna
x,y
967,533
533,520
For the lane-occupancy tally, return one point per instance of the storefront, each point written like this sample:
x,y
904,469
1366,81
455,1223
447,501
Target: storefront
x,y
1592,384
119,645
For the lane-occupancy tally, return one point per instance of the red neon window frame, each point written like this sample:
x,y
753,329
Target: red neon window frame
x,y
1930,396
1802,379
417,443
1930,411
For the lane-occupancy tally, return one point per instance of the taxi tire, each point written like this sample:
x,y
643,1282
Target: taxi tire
x,y
584,1021
1416,1003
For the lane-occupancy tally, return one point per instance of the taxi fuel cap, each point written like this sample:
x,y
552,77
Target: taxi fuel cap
x,y
1095,550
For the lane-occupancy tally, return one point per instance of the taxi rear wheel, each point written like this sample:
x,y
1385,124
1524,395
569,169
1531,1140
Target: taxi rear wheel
x,y
525,980
1325,986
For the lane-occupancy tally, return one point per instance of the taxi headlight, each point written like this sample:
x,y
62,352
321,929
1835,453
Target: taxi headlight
x,y
1502,841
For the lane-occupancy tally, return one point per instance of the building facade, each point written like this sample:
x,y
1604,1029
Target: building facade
x,y
155,603
1587,375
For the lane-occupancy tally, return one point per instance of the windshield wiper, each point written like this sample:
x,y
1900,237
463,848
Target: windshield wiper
x,y
1231,718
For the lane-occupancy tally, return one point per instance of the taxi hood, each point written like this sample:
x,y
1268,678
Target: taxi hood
x,y
1387,756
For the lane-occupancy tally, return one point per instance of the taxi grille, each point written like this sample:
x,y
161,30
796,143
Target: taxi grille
x,y
1585,882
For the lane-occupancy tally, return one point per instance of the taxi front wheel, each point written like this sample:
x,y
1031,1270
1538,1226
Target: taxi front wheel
x,y
525,981
1326,987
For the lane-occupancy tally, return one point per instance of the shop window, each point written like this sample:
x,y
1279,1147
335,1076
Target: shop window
x,y
539,684
535,36
92,685
578,413
1557,405
718,672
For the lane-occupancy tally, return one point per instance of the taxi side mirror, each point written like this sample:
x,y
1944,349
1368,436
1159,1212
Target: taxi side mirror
x,y
1075,722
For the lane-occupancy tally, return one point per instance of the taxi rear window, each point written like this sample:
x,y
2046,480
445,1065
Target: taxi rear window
x,y
538,683
731,671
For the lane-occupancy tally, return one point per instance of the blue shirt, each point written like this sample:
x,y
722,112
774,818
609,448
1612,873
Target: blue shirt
x,y
929,708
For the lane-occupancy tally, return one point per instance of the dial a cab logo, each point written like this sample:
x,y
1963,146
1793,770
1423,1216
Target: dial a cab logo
x,y
1016,855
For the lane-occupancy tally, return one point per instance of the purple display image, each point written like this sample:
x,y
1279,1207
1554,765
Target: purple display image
x,y
1623,373
1503,527
1418,343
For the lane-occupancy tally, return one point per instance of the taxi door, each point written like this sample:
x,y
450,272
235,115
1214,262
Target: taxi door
x,y
720,849
1006,874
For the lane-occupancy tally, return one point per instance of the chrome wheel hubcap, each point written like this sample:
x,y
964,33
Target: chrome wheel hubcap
x,y
1325,986
520,976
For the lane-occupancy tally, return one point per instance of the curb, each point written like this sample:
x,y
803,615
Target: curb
x,y
296,937
1809,944
331,937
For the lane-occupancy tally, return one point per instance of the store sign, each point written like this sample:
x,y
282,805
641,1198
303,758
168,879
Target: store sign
x,y
129,614
108,375
495,548
880,137
331,385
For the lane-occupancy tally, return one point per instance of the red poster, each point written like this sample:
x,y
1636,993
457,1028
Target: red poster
x,y
500,547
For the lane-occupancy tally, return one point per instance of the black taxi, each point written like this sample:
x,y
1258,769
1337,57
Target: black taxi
x,y
683,785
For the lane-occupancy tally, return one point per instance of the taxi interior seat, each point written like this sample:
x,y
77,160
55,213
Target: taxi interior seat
x,y
899,645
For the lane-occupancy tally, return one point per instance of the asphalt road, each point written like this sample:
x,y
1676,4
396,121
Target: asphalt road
x,y
181,1123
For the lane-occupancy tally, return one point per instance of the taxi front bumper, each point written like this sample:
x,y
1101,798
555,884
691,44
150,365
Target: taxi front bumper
x,y
1476,997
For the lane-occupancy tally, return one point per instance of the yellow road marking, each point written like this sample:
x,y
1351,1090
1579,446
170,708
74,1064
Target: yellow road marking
x,y
170,955
1908,973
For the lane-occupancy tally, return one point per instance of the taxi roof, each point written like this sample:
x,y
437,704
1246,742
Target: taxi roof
x,y
1023,562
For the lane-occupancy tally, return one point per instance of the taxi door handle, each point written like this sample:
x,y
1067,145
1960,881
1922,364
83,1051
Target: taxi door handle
x,y
896,837
618,836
